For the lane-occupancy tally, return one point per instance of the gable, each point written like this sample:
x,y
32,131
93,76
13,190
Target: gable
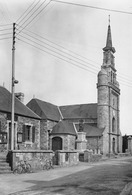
x,y
44,109
19,107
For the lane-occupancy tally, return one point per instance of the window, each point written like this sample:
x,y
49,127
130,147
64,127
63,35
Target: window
x,y
28,133
113,124
3,138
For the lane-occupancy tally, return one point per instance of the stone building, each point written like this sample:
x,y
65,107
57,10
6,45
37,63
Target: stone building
x,y
26,125
99,122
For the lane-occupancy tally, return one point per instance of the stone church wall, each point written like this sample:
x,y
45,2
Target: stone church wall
x,y
45,126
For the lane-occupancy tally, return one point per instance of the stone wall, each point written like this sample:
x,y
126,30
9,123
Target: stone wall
x,y
66,158
90,157
5,119
27,145
45,126
36,158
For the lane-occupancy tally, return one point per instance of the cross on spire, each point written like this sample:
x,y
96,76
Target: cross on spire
x,y
109,40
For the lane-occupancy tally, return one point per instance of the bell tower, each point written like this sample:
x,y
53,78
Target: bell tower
x,y
108,100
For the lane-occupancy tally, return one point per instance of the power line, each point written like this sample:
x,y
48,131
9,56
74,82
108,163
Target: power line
x,y
57,56
51,50
45,12
25,12
5,25
6,29
5,34
36,16
127,80
32,13
5,38
60,51
68,61
67,50
93,7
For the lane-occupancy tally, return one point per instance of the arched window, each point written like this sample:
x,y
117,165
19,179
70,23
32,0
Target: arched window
x,y
113,124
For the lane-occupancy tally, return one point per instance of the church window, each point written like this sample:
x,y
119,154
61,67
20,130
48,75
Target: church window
x,y
113,124
111,76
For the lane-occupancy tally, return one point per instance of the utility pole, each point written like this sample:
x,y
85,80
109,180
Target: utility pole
x,y
13,87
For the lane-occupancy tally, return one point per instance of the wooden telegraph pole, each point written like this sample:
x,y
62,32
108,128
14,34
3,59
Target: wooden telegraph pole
x,y
13,88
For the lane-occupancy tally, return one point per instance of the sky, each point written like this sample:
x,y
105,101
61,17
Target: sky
x,y
58,50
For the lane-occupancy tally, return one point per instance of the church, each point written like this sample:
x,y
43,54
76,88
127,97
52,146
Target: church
x,y
99,123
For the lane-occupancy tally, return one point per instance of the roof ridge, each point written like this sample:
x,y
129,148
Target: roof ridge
x,y
45,102
78,104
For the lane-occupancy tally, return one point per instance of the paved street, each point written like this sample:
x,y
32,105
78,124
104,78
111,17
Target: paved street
x,y
111,177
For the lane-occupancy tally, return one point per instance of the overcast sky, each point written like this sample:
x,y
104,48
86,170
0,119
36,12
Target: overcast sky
x,y
64,70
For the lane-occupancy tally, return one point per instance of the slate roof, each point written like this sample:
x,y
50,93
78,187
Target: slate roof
x,y
63,127
20,108
44,109
79,111
91,130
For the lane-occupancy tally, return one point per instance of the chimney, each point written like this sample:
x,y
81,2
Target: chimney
x,y
20,96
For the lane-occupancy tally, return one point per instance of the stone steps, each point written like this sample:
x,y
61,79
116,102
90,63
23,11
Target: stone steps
x,y
4,166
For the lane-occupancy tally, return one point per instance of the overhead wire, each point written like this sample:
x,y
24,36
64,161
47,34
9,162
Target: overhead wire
x,y
57,56
22,16
5,34
92,65
93,7
59,50
5,38
32,13
61,47
70,62
35,15
5,29
45,12
5,25
51,50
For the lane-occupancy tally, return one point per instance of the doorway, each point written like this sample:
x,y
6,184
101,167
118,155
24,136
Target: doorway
x,y
56,143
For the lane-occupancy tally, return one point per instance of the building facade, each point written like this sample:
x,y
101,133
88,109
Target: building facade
x,y
26,125
99,121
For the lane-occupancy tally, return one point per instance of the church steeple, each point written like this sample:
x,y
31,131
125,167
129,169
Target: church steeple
x,y
109,50
108,46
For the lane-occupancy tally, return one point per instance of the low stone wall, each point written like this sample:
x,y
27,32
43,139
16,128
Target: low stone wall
x,y
88,156
66,158
124,154
36,158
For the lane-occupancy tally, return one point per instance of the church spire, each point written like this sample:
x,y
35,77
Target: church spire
x,y
108,46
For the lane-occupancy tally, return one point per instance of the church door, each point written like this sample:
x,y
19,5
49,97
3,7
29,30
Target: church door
x,y
57,143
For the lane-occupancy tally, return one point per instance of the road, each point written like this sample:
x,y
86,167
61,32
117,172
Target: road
x,y
111,177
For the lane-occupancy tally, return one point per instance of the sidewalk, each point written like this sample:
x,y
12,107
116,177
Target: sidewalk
x,y
11,184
